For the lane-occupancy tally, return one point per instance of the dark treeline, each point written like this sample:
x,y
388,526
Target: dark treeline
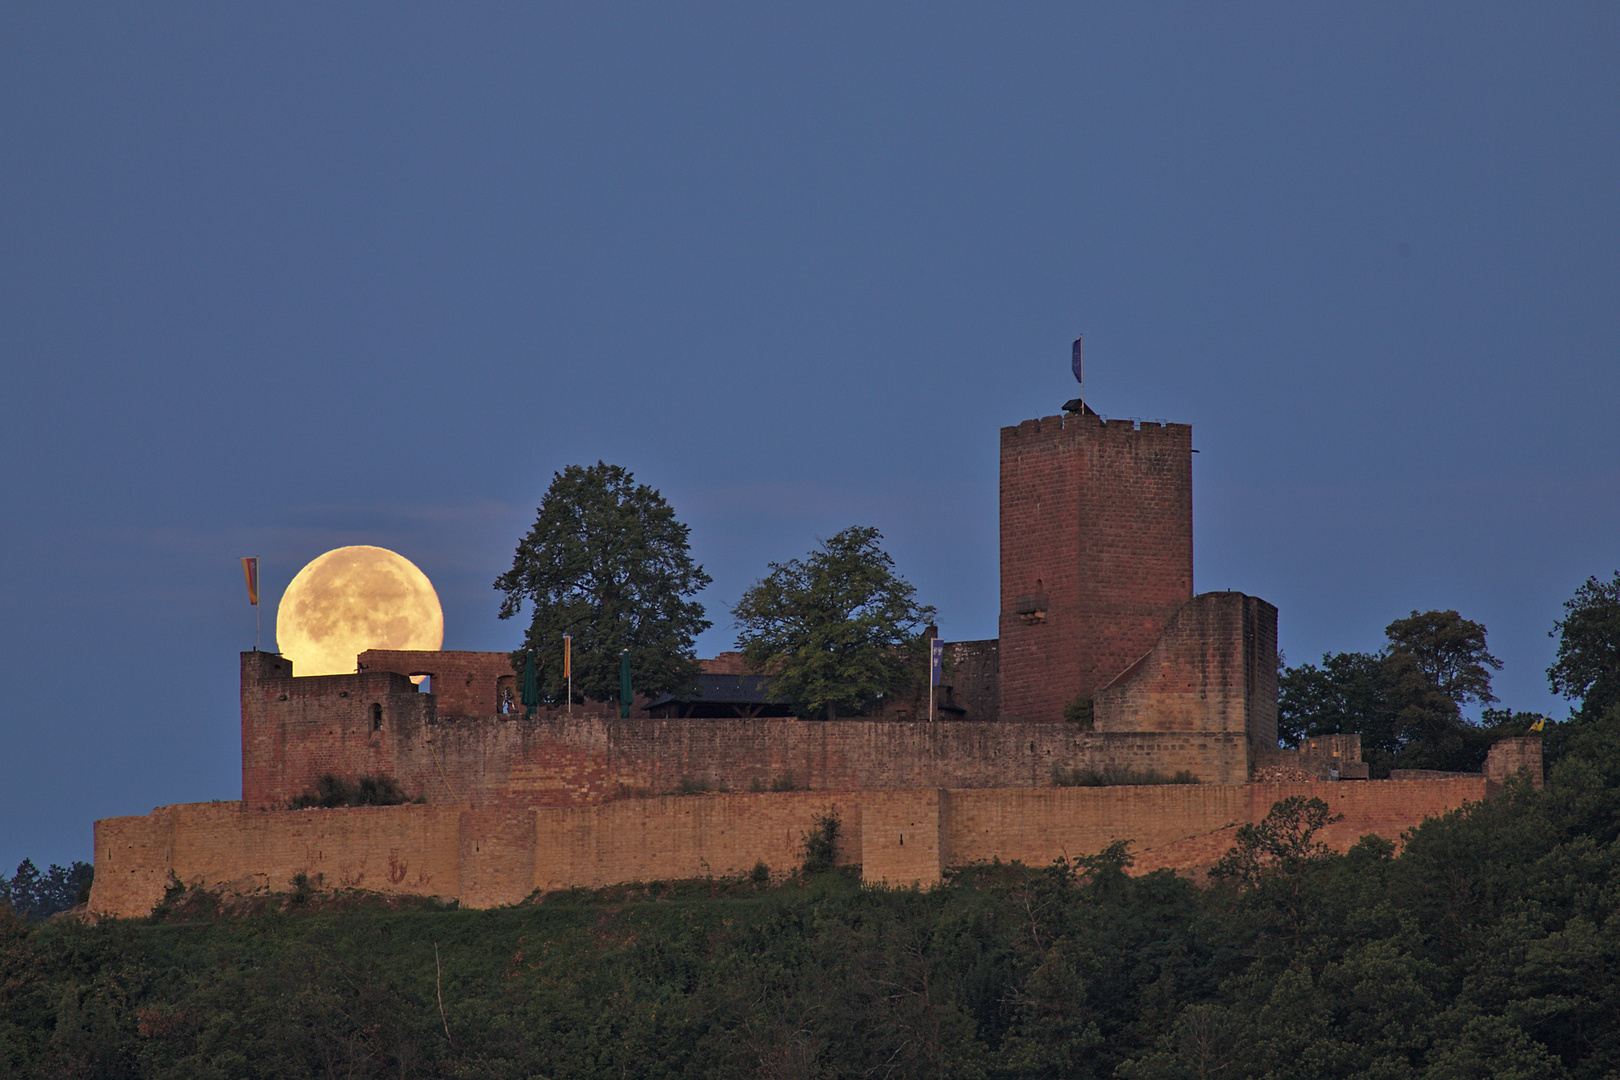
x,y
36,895
1489,947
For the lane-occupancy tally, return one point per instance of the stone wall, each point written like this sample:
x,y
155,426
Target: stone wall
x,y
376,723
491,856
1213,669
464,683
1508,757
1321,757
1096,546
391,849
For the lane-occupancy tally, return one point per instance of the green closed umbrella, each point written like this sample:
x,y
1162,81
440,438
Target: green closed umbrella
x,y
625,692
531,684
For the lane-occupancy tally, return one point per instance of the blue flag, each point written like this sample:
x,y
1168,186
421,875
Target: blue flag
x,y
1074,362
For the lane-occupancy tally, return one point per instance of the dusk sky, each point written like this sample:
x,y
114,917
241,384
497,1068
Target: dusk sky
x,y
280,278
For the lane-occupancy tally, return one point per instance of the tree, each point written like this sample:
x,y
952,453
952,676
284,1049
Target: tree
x,y
35,895
1587,664
607,563
1405,701
1284,843
1447,651
838,630
1348,693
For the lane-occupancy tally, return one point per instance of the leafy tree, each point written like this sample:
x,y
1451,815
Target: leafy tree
x,y
1587,664
1283,844
1446,651
1406,700
1348,693
838,630
607,562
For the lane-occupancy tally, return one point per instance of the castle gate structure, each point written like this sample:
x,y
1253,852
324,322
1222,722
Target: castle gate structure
x,y
1098,621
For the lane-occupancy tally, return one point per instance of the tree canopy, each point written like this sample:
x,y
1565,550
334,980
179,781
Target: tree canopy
x,y
1405,701
836,631
608,563
1587,664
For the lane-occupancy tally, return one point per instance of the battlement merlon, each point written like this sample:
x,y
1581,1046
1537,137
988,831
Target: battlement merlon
x,y
1076,426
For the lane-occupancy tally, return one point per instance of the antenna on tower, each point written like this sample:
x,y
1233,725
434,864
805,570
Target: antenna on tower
x,y
1078,405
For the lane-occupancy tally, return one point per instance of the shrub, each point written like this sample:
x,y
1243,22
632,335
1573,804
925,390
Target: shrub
x,y
1114,776
821,844
331,791
1081,713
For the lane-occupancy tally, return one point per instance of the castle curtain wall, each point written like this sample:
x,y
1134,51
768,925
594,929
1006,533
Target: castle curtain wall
x,y
489,857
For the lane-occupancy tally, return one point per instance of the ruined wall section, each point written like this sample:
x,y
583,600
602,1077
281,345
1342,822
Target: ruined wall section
x,y
1096,553
1320,757
464,682
296,729
1213,669
1509,757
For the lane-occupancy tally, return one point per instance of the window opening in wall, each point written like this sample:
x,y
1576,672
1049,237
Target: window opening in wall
x,y
376,716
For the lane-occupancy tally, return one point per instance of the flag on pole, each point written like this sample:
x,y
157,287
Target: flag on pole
x,y
936,660
568,656
250,570
1074,362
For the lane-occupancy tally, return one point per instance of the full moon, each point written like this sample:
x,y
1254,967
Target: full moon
x,y
353,599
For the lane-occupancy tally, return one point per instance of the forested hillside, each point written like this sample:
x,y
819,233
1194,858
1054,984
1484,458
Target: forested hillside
x,y
1490,947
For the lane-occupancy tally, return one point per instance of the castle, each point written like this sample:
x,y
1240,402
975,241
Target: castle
x,y
1098,619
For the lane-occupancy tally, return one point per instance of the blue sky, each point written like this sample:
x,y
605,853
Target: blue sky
x,y
275,279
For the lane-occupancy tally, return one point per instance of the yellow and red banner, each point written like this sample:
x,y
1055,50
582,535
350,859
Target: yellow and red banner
x,y
250,570
568,656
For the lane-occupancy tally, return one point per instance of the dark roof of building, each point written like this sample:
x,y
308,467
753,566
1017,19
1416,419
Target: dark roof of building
x,y
725,690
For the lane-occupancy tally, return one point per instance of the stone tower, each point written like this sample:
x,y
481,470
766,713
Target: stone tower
x,y
1096,553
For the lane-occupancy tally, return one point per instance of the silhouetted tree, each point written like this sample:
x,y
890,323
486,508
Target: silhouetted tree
x,y
1587,664
607,562
838,630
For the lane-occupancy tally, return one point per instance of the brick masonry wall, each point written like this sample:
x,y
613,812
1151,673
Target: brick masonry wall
x,y
497,856
1213,669
1097,517
1316,758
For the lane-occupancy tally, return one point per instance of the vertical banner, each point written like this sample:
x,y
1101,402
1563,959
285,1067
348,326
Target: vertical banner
x,y
250,570
568,669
